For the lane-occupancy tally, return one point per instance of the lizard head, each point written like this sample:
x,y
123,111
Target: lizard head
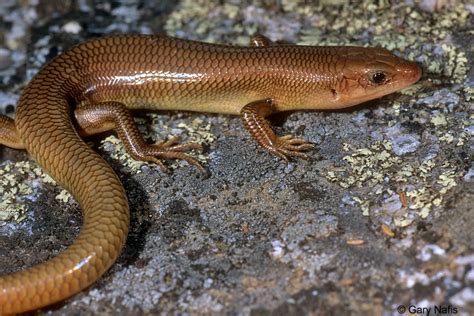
x,y
370,73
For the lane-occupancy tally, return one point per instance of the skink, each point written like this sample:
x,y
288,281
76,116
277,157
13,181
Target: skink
x,y
92,87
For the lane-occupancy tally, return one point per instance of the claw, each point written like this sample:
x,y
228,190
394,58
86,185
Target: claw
x,y
296,141
286,137
169,142
168,150
159,163
280,153
287,146
185,157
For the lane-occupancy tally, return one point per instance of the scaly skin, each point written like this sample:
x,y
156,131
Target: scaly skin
x,y
103,78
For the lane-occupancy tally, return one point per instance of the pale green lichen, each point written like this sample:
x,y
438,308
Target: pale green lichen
x,y
16,186
202,15
447,138
439,119
446,133
455,63
12,189
16,181
469,93
463,138
377,167
412,90
199,131
63,196
118,152
368,165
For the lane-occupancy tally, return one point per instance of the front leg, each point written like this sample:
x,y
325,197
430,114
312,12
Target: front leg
x,y
253,116
95,118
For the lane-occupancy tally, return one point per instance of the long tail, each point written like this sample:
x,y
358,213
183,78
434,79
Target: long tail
x,y
44,124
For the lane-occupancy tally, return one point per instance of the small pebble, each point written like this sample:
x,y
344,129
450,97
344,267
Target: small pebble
x,y
72,27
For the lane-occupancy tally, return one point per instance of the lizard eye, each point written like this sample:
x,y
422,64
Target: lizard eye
x,y
378,78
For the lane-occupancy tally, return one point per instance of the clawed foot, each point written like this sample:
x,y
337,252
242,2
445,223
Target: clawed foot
x,y
287,146
169,149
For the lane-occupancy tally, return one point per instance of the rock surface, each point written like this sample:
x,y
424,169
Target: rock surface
x,y
381,217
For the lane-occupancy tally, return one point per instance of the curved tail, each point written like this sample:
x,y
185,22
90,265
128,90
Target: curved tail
x,y
44,124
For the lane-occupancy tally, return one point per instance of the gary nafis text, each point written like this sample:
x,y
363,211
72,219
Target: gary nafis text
x,y
433,310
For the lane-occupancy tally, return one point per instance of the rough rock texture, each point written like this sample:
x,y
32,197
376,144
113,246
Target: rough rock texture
x,y
381,217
